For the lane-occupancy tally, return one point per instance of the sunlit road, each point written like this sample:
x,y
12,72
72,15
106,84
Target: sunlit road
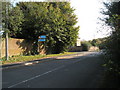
x,y
75,72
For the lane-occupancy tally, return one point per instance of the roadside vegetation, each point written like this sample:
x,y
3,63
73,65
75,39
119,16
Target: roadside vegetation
x,y
56,20
95,42
29,20
112,45
109,45
99,42
85,45
19,58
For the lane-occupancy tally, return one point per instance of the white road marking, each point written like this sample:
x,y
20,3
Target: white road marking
x,y
28,63
43,74
36,77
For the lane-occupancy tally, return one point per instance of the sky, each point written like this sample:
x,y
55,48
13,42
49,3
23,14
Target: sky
x,y
87,12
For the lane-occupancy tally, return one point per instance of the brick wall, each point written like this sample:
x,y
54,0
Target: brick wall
x,y
17,47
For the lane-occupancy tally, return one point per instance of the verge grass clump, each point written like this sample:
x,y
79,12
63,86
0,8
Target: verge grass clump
x,y
19,58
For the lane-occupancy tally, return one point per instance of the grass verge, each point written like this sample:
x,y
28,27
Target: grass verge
x,y
18,58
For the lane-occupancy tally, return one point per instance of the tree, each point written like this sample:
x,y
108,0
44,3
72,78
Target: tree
x,y
63,32
94,42
6,6
16,19
56,20
99,42
113,41
11,19
34,21
86,45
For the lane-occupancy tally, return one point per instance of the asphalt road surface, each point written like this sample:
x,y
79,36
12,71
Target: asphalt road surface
x,y
74,72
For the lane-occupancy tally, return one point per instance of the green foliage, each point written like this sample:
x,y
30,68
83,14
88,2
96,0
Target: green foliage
x,y
94,42
6,7
112,12
15,21
100,42
85,45
113,41
56,20
62,32
20,58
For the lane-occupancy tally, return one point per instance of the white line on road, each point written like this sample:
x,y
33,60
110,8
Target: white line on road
x,y
43,74
36,77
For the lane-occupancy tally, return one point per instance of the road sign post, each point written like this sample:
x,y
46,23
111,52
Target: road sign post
x,y
41,39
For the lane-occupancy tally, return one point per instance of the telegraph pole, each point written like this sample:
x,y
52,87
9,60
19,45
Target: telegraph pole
x,y
6,39
7,58
0,30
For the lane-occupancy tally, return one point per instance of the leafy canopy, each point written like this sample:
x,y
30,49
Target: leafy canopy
x,y
56,20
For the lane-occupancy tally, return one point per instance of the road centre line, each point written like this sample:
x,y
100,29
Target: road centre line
x,y
36,77
42,74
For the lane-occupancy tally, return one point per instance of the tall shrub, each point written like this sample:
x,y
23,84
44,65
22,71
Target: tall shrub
x,y
113,42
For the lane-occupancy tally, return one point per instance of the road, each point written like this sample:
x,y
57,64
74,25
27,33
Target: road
x,y
74,72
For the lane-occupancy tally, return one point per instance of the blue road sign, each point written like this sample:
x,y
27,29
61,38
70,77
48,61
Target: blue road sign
x,y
42,40
42,36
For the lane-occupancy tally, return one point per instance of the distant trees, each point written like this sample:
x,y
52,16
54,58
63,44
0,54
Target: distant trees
x,y
99,42
86,45
56,20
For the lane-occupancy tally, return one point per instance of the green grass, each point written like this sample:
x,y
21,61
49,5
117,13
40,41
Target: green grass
x,y
18,58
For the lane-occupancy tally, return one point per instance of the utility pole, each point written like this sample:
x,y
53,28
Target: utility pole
x,y
0,41
6,39
7,56
1,32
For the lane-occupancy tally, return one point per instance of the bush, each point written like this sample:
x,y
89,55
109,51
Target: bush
x,y
85,46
